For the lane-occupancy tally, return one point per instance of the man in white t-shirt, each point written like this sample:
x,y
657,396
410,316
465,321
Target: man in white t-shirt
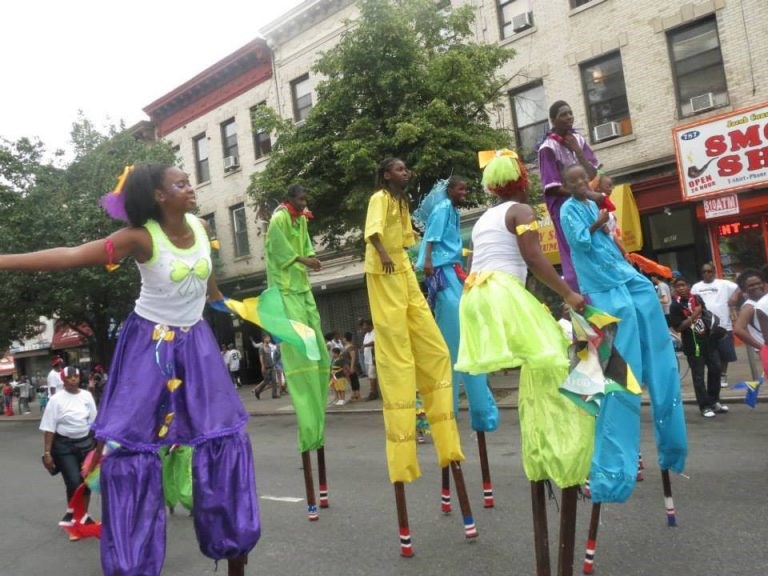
x,y
369,355
54,381
718,296
232,360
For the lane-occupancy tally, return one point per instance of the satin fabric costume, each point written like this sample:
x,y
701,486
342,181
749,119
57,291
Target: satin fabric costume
x,y
288,239
554,157
169,385
615,287
505,326
443,231
410,351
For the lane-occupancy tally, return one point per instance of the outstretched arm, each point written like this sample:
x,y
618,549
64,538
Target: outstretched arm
x,y
740,326
520,220
126,242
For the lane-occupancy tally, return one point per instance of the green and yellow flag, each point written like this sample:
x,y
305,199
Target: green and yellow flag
x,y
267,311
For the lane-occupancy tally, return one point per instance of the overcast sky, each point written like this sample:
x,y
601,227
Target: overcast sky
x,y
110,59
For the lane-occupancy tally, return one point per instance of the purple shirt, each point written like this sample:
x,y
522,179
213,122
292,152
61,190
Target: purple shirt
x,y
554,157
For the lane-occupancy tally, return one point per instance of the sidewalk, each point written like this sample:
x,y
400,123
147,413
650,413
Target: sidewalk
x,y
504,389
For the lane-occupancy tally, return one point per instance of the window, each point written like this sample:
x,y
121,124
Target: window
x,y
201,158
262,144
514,17
529,114
301,92
210,219
177,157
606,98
577,3
240,230
697,65
229,144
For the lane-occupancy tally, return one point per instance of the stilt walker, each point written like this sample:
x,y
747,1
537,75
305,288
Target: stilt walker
x,y
642,339
410,351
289,253
440,258
557,436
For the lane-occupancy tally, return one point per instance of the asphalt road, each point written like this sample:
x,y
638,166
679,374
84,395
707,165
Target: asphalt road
x,y
721,505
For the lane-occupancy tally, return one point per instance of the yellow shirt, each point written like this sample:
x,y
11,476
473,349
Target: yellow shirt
x,y
391,220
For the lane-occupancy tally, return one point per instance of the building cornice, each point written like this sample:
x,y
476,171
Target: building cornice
x,y
216,85
300,19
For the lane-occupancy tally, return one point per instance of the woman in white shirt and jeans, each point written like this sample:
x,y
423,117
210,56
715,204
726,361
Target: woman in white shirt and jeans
x,y
67,438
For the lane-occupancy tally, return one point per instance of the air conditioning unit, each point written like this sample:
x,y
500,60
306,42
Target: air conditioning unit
x,y
606,131
522,21
702,102
230,162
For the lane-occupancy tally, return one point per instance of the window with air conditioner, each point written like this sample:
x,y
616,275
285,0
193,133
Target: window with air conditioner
x,y
514,17
200,145
606,98
697,66
229,144
239,230
301,93
529,115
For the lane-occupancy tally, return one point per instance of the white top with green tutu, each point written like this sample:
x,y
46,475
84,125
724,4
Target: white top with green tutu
x,y
494,247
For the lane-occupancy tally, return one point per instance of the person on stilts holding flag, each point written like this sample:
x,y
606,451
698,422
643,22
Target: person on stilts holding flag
x,y
289,252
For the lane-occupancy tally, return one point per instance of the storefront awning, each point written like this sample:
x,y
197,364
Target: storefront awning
x,y
7,365
626,213
67,337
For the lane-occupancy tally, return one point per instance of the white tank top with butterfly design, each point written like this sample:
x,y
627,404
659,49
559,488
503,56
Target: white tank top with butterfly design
x,y
174,281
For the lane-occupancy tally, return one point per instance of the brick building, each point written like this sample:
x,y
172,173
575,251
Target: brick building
x,y
632,70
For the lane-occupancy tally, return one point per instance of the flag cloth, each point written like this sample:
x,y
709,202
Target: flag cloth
x,y
268,311
752,388
596,367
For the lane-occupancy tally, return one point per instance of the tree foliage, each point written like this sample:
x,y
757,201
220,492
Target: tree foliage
x,y
406,80
49,207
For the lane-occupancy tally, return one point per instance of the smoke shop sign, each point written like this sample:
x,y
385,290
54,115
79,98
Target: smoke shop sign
x,y
725,154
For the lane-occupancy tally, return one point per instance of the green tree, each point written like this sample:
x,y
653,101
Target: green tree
x,y
405,81
63,209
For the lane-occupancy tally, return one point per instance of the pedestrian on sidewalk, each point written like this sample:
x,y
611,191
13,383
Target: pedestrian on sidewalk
x,y
720,297
338,380
349,354
232,360
369,358
699,347
25,393
267,364
751,282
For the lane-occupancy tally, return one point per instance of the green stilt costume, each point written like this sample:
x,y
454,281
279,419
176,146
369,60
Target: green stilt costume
x,y
287,240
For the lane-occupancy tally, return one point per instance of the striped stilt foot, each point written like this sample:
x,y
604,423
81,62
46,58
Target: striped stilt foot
x,y
670,506
470,530
445,501
589,557
323,496
488,495
312,515
406,547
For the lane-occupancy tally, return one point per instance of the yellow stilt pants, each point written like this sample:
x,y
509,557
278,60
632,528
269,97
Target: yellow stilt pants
x,y
410,354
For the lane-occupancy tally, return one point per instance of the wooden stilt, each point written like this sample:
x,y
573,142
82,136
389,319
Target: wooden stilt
x,y
570,497
406,547
540,532
321,477
445,491
306,462
668,503
486,471
236,566
589,554
470,530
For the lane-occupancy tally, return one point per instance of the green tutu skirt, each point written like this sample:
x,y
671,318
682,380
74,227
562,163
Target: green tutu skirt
x,y
505,326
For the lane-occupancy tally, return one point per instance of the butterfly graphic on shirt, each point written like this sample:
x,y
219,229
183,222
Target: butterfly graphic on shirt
x,y
191,279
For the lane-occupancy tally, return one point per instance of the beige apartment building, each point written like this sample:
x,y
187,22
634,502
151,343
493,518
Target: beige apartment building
x,y
632,70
